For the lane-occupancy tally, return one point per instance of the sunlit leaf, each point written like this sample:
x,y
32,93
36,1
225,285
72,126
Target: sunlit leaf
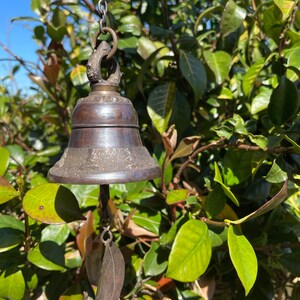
x,y
232,17
286,7
176,196
7,191
51,203
12,285
193,71
277,173
218,178
292,57
55,233
160,103
243,257
251,75
219,62
261,101
190,253
4,160
78,75
284,102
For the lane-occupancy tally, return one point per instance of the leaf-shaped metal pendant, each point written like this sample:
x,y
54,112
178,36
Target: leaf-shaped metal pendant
x,y
94,261
112,274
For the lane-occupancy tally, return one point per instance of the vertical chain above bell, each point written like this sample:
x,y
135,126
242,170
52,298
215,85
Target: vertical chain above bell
x,y
105,145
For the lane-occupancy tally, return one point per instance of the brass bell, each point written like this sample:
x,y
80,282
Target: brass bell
x,y
105,145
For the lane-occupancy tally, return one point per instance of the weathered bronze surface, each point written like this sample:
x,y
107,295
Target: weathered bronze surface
x,y
105,145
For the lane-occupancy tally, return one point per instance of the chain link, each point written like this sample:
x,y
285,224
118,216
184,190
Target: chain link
x,y
102,9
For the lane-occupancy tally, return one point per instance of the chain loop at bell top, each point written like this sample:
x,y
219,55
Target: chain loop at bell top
x,y
102,9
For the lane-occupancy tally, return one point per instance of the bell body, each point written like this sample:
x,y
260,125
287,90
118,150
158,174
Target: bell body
x,y
105,145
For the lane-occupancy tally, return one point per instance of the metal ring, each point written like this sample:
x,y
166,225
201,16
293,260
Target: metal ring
x,y
110,236
114,43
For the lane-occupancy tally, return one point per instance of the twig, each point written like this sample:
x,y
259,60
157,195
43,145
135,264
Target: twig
x,y
19,59
220,145
214,144
214,223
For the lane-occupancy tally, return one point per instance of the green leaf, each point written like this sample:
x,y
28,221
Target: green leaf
x,y
4,160
52,203
277,173
286,7
191,251
219,62
12,285
160,105
292,57
155,260
131,24
296,147
11,232
58,18
268,206
128,43
55,233
48,256
259,140
215,201
17,154
78,76
250,76
176,196
56,33
261,101
232,17
193,71
284,102
237,166
148,221
145,48
243,258
218,178
7,192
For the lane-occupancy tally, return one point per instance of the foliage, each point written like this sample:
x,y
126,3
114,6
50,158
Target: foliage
x,y
216,87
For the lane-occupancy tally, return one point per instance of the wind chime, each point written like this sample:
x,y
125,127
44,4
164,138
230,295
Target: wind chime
x,y
105,147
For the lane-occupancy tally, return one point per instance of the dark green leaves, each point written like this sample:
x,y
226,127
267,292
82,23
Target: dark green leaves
x,y
191,252
48,256
232,17
155,261
52,203
284,102
11,232
160,104
243,257
193,71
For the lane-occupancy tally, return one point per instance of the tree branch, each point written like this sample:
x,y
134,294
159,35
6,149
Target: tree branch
x,y
219,144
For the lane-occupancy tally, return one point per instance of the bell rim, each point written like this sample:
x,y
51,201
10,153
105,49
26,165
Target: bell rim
x,y
108,178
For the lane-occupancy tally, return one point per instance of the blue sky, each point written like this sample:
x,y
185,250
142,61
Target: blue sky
x,y
17,36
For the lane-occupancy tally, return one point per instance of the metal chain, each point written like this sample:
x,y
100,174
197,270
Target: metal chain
x,y
102,9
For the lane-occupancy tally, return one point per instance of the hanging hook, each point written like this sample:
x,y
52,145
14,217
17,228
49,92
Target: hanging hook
x,y
114,42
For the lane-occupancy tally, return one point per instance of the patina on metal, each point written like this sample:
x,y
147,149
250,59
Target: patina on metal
x,y
105,145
